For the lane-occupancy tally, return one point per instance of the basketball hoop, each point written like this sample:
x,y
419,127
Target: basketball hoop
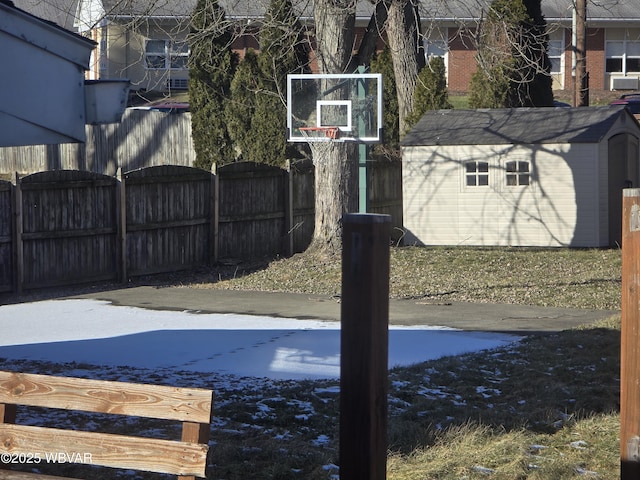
x,y
330,133
320,140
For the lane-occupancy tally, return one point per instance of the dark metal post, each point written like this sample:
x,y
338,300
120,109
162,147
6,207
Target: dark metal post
x,y
630,338
364,346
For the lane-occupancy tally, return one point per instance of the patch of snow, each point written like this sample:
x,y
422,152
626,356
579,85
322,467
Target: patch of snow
x,y
98,333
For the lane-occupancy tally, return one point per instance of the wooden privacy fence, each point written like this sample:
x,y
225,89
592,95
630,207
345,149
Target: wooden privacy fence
x,y
67,226
144,138
169,219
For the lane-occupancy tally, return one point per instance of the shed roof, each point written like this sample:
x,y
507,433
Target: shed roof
x,y
516,126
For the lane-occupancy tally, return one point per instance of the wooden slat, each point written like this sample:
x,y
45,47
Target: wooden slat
x,y
48,185
89,232
175,224
151,401
252,217
108,450
194,433
32,284
11,475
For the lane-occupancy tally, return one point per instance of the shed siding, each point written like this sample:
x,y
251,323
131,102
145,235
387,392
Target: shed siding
x,y
581,160
430,194
602,183
441,210
478,221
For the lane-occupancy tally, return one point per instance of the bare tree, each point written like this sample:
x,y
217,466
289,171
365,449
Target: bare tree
x,y
581,88
336,180
402,29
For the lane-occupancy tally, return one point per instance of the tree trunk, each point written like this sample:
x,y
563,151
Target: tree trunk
x,y
403,33
336,186
581,89
372,34
335,24
336,168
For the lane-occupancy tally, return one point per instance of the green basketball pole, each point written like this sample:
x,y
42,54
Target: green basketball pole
x,y
362,155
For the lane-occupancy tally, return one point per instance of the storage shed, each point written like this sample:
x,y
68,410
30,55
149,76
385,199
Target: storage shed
x,y
519,177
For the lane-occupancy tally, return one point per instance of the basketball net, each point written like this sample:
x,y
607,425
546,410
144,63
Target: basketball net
x,y
320,140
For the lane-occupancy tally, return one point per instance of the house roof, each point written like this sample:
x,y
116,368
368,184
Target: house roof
x,y
232,8
553,10
430,9
516,126
60,12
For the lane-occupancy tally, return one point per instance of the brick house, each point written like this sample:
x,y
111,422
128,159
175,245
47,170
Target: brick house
x,y
613,42
152,50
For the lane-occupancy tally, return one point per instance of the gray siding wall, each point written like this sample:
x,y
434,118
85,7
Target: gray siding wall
x,y
559,208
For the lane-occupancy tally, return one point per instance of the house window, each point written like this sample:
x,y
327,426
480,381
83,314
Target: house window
x,y
179,55
166,54
518,174
476,174
556,48
623,57
435,48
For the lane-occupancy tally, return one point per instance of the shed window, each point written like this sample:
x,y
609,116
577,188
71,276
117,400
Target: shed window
x,y
518,173
477,174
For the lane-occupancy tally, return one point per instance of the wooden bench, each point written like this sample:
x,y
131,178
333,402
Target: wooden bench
x,y
24,444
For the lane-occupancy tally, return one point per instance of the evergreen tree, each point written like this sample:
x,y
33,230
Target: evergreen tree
x,y
211,68
241,106
489,87
283,51
383,63
540,88
431,91
513,64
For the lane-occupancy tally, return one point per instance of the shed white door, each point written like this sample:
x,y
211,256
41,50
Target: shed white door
x,y
624,157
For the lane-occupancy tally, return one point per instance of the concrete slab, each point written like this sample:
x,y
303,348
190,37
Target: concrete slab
x,y
466,316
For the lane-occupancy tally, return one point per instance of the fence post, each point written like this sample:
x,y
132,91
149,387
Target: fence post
x,y
630,338
288,209
214,202
121,209
364,346
17,233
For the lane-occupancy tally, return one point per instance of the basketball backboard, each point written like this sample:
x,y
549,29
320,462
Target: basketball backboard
x,y
340,107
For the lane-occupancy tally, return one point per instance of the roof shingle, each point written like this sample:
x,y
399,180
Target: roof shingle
x,y
515,126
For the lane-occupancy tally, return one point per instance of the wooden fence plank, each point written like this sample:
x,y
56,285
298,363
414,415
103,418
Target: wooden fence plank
x,y
68,232
107,450
141,139
303,204
168,218
385,191
102,396
17,233
252,217
6,232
